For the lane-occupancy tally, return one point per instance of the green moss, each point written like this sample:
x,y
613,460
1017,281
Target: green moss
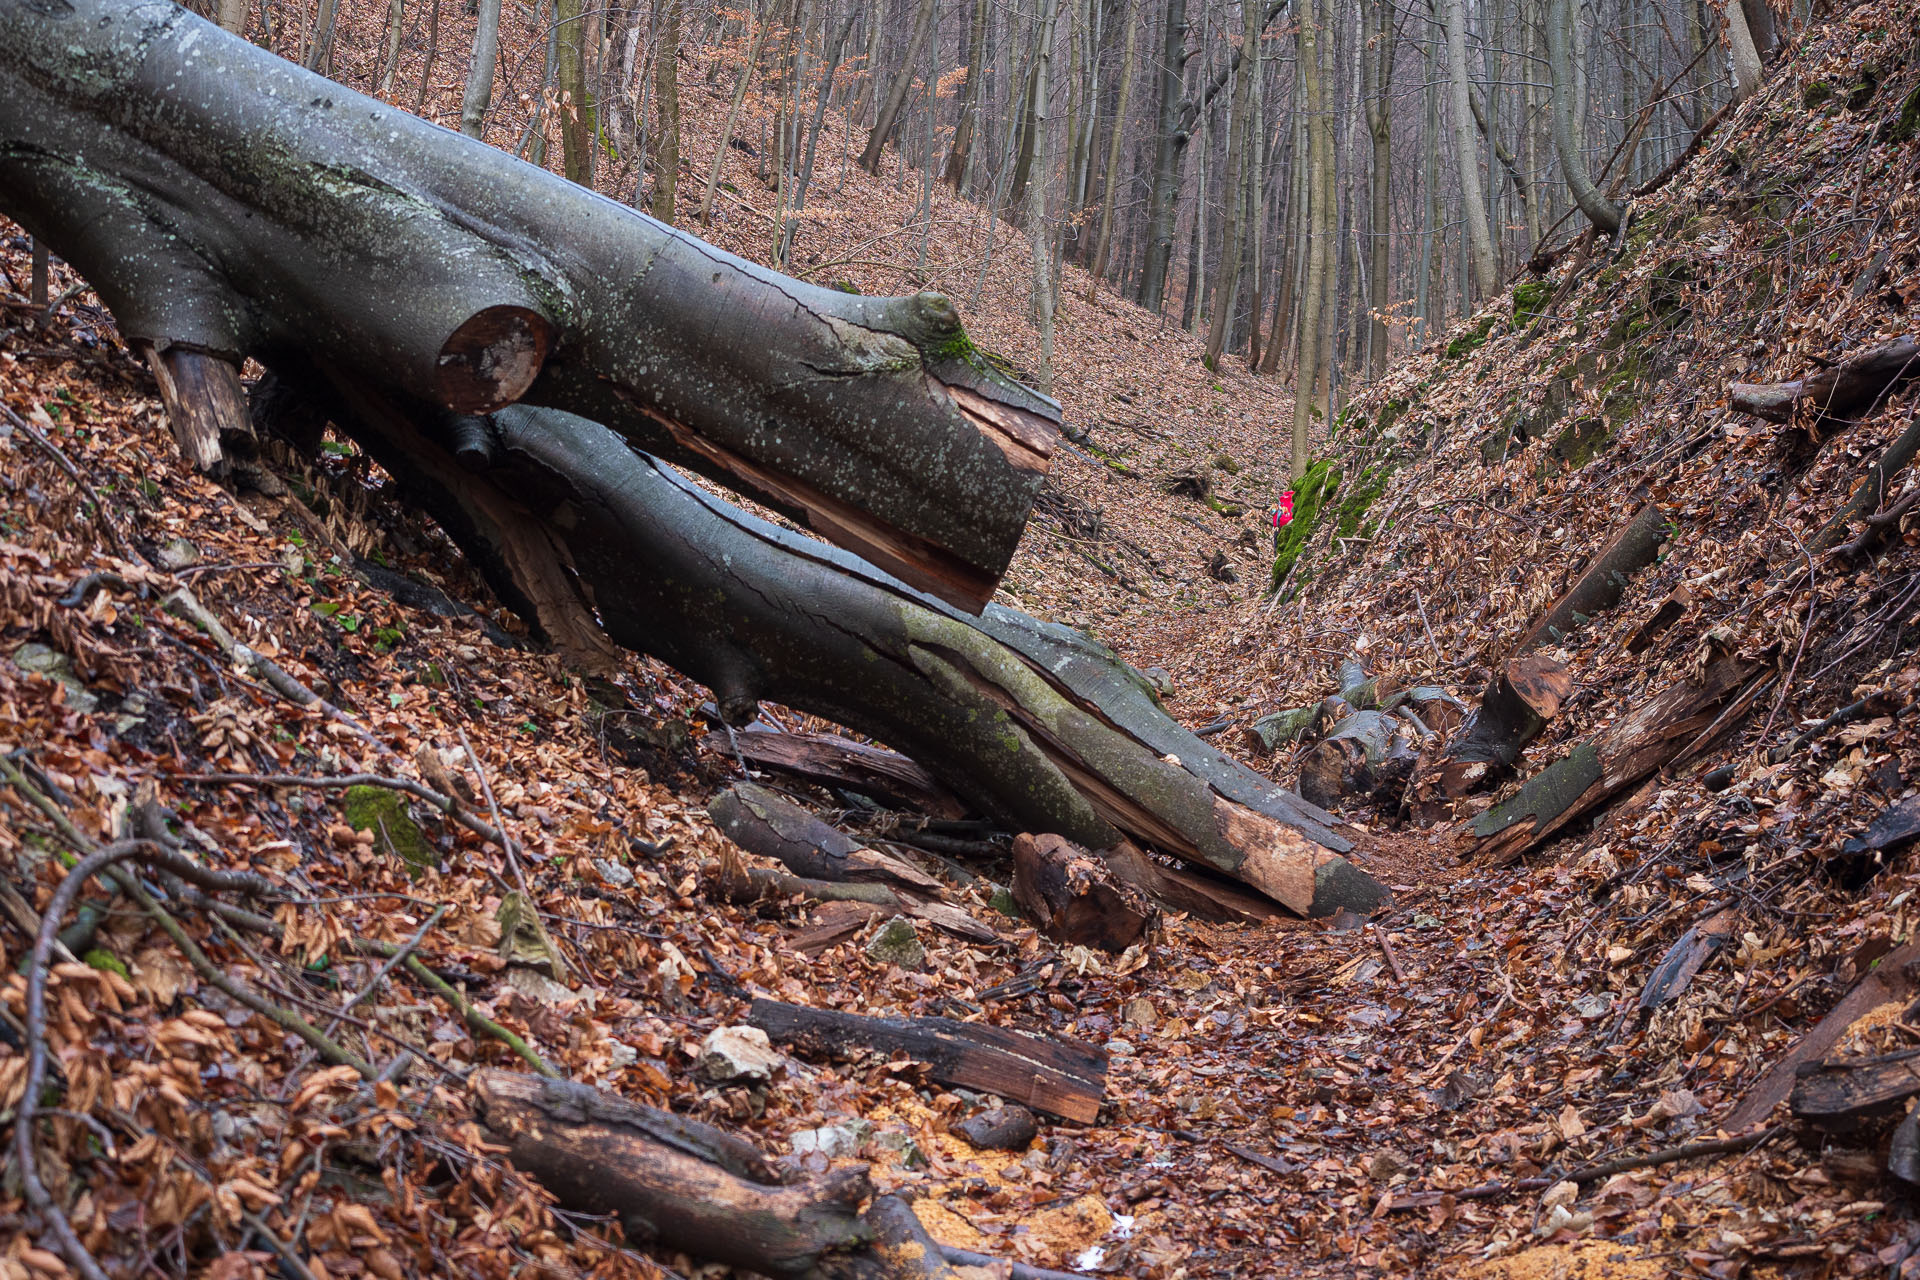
x,y
1360,495
1904,126
101,958
1224,462
1390,413
384,813
1530,299
1861,91
1472,340
1816,92
1311,492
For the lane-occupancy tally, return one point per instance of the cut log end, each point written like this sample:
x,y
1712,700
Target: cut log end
x,y
491,360
1075,896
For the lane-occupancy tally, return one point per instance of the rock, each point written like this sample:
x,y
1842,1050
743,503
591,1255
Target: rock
x,y
1006,1128
901,1145
1141,1013
1220,569
736,1055
1386,1165
1160,678
37,659
1120,1048
623,1055
897,942
832,1140
613,873
523,939
177,554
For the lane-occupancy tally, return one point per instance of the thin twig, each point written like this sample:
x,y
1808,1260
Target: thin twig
x,y
65,463
393,962
486,790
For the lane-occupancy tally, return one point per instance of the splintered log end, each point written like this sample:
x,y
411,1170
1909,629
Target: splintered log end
x,y
1541,683
491,359
1075,896
205,402
1027,439
1509,828
1773,401
1300,875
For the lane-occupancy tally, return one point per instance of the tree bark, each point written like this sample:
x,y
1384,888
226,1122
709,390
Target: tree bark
x,y
1226,284
832,761
578,133
1115,140
267,212
486,53
960,152
889,117
1600,587
1379,72
1852,386
1369,753
761,822
666,92
1742,51
1074,895
1603,213
1165,180
1039,232
1314,352
1514,711
1035,726
1473,199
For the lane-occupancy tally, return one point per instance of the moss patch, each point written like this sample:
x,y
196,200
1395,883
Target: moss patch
x,y
1816,92
1530,300
1360,496
1905,124
101,958
1472,340
385,814
1311,492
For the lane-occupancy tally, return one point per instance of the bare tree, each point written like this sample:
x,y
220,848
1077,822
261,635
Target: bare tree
x,y
1116,138
1473,200
960,153
1239,149
1573,167
889,117
486,52
1320,231
666,89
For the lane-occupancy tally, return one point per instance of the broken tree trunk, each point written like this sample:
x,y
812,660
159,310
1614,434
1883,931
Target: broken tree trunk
x,y
1514,710
227,202
669,1179
1599,588
761,822
1060,1077
751,884
1075,896
1370,753
1640,742
1839,391
1855,1093
833,761
1035,726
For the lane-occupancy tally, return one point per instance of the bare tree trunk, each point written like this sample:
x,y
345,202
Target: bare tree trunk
x,y
870,87
961,152
1744,52
1573,167
433,52
1115,141
666,90
1320,231
1239,154
1164,188
486,53
1473,200
733,117
232,15
792,225
396,16
889,117
577,132
1037,229
1378,62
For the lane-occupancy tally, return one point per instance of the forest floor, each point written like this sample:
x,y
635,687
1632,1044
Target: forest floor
x,y
1408,1094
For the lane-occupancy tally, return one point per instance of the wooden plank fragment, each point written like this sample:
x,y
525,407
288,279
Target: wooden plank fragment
x,y
834,761
1852,1093
1060,1077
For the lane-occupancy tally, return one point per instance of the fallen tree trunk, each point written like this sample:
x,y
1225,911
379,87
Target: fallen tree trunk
x,y
668,1179
1514,711
1074,896
1838,391
831,761
1600,587
751,884
1370,753
1640,742
224,201
1855,1093
1060,1077
761,822
1033,725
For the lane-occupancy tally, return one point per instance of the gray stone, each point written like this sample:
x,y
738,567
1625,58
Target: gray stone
x,y
897,942
623,1055
737,1055
37,659
832,1140
614,873
177,554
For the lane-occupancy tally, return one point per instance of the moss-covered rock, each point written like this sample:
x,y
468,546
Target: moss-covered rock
x,y
1311,492
1472,340
385,814
1530,300
1816,93
1359,497
1224,462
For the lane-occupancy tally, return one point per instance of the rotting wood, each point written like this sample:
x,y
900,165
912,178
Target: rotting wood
x,y
1851,1094
1895,978
1060,1077
751,884
1075,897
1369,753
1638,743
204,400
1514,710
833,761
1670,611
1671,977
761,822
1600,587
1841,390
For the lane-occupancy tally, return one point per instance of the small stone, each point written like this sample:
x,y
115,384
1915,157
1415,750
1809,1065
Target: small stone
x,y
37,659
177,554
1141,1013
897,942
734,1055
1386,1165
613,873
1120,1048
900,1144
623,1055
831,1141
1005,1128
1160,678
